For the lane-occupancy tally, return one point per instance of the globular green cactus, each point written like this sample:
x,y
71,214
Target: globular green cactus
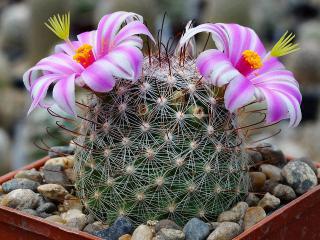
x,y
162,147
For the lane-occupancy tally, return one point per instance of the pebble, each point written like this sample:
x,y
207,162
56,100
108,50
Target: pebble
x,y
309,162
72,202
269,202
255,157
170,234
271,154
21,199
95,226
47,207
234,214
318,173
214,225
269,185
166,223
125,237
253,215
56,219
257,181
284,193
53,192
19,183
120,227
31,174
75,219
30,212
57,151
272,172
70,175
299,176
142,232
195,229
252,199
225,231
65,162
55,174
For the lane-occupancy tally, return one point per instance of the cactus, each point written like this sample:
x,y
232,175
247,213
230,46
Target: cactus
x,y
162,147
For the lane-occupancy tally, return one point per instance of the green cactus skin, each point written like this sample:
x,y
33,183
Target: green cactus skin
x,y
162,147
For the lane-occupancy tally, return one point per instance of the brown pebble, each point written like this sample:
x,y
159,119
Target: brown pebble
x,y
257,181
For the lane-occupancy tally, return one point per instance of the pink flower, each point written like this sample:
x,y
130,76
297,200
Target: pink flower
x,y
92,61
250,73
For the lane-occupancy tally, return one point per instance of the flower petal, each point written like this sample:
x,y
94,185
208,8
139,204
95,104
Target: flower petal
x,y
64,94
39,89
108,27
239,92
67,48
131,29
88,38
216,68
98,77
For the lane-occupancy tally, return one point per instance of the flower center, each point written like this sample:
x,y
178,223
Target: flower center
x,y
252,59
84,55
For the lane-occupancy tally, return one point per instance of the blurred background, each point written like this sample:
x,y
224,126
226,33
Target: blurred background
x,y
24,40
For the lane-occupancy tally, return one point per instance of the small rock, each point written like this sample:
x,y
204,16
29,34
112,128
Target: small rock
x,y
255,157
19,183
65,162
120,227
53,192
269,202
70,175
142,232
55,174
170,234
47,207
44,214
284,193
166,223
74,219
56,219
269,185
71,202
234,214
257,181
271,154
318,173
125,237
225,231
252,200
95,226
253,216
195,229
214,225
21,199
272,172
309,162
57,151
31,174
299,176
30,212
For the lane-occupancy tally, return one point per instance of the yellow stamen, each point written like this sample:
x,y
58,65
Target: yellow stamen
x,y
60,25
284,46
252,58
84,55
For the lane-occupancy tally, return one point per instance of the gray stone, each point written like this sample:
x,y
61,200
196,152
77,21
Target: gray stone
x,y
225,231
309,162
58,151
120,227
255,157
234,214
269,185
170,234
252,200
21,199
53,192
195,229
253,215
284,193
44,215
166,223
214,225
269,202
95,226
272,172
31,174
75,219
19,183
30,212
299,176
47,207
271,154
55,174
142,232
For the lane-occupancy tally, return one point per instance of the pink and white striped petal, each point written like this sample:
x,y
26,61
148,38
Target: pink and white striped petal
x,y
67,48
239,92
216,68
64,94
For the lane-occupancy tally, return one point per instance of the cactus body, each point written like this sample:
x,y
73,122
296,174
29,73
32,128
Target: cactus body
x,y
163,147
